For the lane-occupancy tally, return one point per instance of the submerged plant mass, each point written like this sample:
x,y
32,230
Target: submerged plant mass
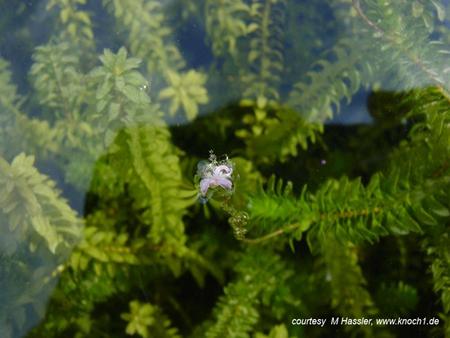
x,y
332,200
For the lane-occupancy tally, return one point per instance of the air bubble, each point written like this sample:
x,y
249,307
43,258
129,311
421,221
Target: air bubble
x,y
238,222
239,233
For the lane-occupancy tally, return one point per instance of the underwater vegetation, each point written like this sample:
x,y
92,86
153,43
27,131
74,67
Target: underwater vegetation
x,y
220,168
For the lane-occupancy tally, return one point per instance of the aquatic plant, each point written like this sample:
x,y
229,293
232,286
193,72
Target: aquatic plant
x,y
212,174
104,140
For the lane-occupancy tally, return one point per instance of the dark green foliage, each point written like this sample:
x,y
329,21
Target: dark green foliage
x,y
397,299
142,319
408,197
260,277
102,229
280,126
349,296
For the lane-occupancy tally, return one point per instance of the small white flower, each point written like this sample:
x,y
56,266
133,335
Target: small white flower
x,y
215,174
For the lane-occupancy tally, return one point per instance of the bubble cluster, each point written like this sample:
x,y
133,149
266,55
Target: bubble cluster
x,y
238,222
